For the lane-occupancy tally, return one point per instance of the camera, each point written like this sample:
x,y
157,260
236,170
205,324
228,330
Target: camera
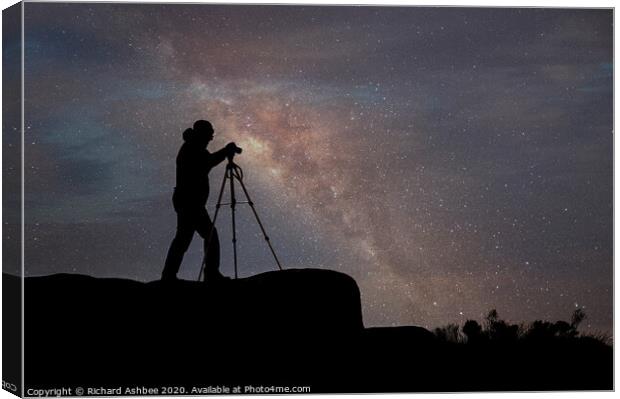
x,y
232,150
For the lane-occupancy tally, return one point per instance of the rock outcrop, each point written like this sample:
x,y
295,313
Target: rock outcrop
x,y
286,328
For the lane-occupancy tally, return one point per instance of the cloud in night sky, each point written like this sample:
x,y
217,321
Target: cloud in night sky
x,y
451,160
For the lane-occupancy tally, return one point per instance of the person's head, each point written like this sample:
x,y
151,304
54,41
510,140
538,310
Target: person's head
x,y
200,134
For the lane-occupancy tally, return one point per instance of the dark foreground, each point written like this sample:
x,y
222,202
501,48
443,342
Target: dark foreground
x,y
289,329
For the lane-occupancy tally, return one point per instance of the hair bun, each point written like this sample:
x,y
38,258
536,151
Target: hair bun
x,y
188,134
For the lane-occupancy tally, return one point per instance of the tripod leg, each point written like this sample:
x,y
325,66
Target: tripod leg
x,y
238,177
233,203
217,210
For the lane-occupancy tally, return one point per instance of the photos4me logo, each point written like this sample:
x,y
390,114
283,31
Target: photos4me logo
x,y
8,386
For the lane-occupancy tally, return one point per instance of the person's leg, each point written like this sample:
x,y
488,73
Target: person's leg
x,y
179,245
212,253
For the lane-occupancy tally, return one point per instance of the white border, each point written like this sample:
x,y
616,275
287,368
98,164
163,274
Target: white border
x,y
461,3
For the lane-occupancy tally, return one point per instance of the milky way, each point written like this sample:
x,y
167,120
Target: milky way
x,y
451,160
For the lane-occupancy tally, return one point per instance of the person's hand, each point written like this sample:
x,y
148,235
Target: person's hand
x,y
232,149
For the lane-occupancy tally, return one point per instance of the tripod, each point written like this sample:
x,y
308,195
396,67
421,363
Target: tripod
x,y
234,172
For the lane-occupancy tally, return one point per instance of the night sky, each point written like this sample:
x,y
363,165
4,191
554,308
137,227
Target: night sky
x,y
451,160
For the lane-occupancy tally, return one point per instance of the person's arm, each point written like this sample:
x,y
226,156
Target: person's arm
x,y
219,156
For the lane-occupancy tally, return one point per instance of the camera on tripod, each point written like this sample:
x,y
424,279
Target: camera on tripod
x,y
235,173
232,150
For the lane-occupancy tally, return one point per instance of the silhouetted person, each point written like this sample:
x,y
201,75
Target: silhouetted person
x,y
190,198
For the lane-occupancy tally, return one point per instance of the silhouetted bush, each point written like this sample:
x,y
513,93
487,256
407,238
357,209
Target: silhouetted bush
x,y
578,316
449,333
544,330
499,331
541,330
598,336
473,332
